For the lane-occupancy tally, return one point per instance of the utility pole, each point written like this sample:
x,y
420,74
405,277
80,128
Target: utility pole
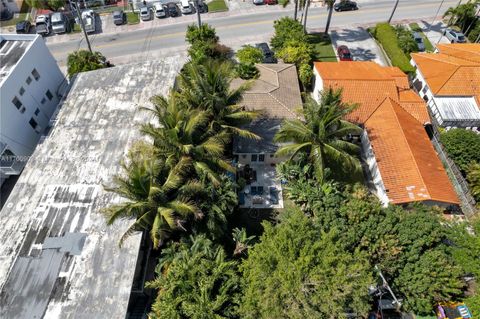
x,y
199,20
83,26
393,11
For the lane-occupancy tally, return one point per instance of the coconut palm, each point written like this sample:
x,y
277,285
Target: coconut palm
x,y
330,4
155,196
207,87
462,14
321,137
183,137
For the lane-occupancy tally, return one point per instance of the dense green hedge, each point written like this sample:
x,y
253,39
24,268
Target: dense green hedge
x,y
385,34
462,146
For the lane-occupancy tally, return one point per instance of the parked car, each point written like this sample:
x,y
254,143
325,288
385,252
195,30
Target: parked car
x,y
258,2
202,7
172,10
89,20
454,36
119,17
145,13
344,53
345,6
23,27
419,40
158,10
42,24
185,7
268,55
270,2
60,23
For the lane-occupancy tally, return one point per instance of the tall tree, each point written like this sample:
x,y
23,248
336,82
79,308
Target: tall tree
x,y
463,14
330,4
183,137
156,196
321,135
83,60
299,271
207,87
287,29
195,280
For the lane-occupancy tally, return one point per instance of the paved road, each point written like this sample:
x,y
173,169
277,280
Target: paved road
x,y
235,31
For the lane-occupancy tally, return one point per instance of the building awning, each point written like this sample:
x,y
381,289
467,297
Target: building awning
x,y
458,108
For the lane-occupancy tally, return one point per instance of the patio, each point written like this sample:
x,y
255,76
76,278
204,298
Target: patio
x,y
263,188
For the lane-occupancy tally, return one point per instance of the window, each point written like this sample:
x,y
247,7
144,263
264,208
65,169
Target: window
x,y
28,80
49,95
35,74
33,123
22,110
17,103
43,100
425,89
261,157
37,111
253,158
21,91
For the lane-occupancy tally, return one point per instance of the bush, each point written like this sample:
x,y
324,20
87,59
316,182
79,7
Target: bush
x,y
249,54
474,32
473,177
296,52
462,146
205,33
305,73
204,44
385,34
406,41
83,60
287,29
246,71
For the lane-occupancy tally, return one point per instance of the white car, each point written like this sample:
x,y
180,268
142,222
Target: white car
x,y
159,11
186,7
455,36
145,14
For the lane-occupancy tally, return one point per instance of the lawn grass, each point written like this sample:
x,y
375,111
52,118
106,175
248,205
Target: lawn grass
x,y
217,6
428,45
322,46
13,21
133,18
76,28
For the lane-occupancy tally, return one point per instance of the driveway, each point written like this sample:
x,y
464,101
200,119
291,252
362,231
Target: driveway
x,y
362,46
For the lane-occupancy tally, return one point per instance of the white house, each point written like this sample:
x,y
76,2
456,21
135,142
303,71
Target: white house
x,y
30,80
449,81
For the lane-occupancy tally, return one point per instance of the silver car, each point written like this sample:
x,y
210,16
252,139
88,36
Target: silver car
x,y
145,13
455,36
419,40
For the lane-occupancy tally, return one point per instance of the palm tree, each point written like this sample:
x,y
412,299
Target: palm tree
x,y
296,3
321,136
156,196
208,87
183,137
242,241
330,4
462,14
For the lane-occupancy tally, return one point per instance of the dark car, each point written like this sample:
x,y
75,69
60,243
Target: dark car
x,y
202,7
268,55
118,17
344,53
172,10
270,2
23,27
345,6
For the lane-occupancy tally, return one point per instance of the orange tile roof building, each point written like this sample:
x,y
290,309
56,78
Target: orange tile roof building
x,y
402,161
449,81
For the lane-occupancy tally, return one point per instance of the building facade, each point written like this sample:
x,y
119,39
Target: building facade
x,y
30,80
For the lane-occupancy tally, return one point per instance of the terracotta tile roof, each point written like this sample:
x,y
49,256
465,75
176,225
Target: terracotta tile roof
x,y
453,71
276,92
408,163
393,116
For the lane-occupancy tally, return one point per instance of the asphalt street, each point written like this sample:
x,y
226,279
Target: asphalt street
x,y
237,30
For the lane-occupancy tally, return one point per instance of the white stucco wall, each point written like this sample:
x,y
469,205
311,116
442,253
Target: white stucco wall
x,y
318,85
270,158
16,132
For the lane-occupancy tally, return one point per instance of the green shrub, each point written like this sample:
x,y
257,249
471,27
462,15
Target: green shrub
x,y
296,52
250,54
287,29
474,32
462,146
385,34
83,60
246,71
305,73
205,33
406,42
473,177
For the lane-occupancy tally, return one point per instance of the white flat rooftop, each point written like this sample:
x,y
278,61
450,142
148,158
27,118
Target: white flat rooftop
x,y
58,258
263,192
12,48
458,108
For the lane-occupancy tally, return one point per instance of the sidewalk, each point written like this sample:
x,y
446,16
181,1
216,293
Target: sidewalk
x,y
434,32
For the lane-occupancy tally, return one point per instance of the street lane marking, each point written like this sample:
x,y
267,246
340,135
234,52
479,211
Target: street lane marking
x,y
235,26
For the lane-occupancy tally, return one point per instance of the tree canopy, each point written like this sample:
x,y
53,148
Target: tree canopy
x,y
53,5
299,271
83,60
463,147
